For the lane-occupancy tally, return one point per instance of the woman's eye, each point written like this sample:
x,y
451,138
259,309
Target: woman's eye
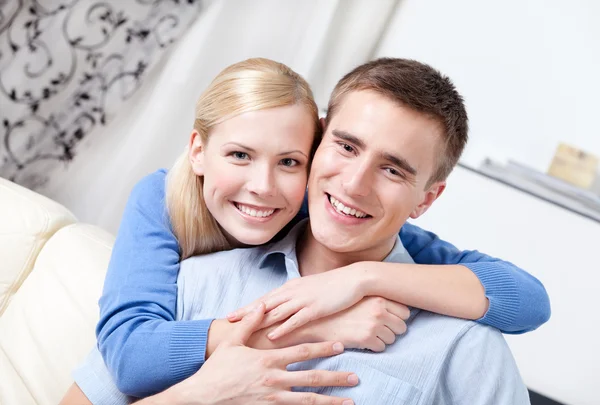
x,y
240,155
289,162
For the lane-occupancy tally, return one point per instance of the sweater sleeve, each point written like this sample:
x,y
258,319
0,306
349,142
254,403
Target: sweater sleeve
x,y
518,302
143,346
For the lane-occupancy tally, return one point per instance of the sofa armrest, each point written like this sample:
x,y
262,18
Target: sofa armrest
x,y
48,327
27,221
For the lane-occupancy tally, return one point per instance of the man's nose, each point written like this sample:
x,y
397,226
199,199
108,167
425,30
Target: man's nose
x,y
262,181
358,180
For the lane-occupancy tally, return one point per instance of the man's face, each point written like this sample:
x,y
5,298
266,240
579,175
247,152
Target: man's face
x,y
370,173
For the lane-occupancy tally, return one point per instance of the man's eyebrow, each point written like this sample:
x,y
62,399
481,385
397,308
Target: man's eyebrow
x,y
393,159
400,162
346,136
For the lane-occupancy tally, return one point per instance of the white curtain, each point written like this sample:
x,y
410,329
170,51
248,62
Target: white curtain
x,y
68,67
322,40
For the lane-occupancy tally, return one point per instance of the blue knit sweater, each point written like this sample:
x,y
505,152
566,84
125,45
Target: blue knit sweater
x,y
146,350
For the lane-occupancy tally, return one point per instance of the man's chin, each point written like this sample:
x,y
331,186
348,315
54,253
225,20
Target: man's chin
x,y
334,241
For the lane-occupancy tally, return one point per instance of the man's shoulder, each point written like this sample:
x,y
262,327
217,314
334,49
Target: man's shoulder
x,y
464,349
236,265
449,331
434,339
225,258
221,273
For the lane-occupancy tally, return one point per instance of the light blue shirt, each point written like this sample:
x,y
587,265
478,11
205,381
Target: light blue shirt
x,y
440,360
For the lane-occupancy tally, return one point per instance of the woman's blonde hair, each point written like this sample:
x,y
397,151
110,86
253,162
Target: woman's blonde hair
x,y
251,85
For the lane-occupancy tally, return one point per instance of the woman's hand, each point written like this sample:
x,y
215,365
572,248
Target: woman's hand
x,y
370,324
236,374
307,299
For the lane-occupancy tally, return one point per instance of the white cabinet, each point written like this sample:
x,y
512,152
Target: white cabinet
x,y
562,358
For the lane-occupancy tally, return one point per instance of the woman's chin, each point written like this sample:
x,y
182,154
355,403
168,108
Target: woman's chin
x,y
249,240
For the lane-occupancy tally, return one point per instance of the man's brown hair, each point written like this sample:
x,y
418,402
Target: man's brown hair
x,y
417,86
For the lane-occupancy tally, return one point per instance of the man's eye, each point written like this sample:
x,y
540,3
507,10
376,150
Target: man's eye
x,y
394,172
288,162
347,147
240,155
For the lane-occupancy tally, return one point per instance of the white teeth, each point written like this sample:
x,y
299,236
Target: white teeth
x,y
253,212
342,209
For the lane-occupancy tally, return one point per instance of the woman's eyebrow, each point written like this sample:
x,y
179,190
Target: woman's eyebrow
x,y
240,146
249,149
293,151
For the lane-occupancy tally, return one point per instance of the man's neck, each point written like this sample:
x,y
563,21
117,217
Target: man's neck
x,y
313,257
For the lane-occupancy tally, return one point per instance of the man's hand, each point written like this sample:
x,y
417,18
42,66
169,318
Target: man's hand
x,y
236,374
307,299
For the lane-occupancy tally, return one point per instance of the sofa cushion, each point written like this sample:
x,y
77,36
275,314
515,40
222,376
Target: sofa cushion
x,y
28,221
48,327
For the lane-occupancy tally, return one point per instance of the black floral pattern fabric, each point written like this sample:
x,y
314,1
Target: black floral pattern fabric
x,y
67,67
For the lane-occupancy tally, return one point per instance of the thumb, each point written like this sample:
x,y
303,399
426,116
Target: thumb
x,y
249,324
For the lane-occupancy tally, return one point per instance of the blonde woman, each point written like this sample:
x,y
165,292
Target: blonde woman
x,y
239,183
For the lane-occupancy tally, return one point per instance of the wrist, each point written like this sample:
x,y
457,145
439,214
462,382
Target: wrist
x,y
187,392
365,276
309,333
259,339
175,395
218,331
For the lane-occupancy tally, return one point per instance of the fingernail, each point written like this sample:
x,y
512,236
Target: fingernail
x,y
353,379
231,315
348,402
258,307
271,335
338,347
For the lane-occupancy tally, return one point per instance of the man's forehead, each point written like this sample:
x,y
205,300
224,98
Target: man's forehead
x,y
371,107
388,128
380,119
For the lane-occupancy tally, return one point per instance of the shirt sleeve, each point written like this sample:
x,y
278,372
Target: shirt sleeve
x,y
94,380
518,302
480,369
144,348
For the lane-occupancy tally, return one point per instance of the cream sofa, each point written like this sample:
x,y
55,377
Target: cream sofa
x,y
51,274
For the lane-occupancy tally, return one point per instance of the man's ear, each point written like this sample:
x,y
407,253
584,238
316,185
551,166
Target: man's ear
x,y
196,153
432,194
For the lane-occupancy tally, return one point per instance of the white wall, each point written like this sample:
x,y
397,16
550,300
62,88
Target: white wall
x,y
562,358
528,70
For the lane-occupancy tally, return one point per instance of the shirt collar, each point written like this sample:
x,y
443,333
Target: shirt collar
x,y
399,254
286,248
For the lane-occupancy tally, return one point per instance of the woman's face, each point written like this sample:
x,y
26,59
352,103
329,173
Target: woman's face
x,y
255,168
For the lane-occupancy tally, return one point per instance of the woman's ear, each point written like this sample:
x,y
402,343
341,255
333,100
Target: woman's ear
x,y
196,153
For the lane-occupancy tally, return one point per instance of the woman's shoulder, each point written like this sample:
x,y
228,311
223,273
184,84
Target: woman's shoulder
x,y
148,194
151,185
